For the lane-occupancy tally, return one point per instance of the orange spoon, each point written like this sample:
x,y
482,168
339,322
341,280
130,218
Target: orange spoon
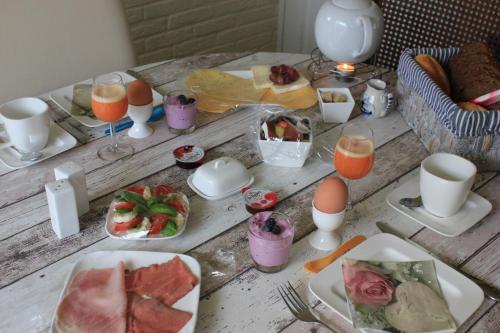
x,y
317,265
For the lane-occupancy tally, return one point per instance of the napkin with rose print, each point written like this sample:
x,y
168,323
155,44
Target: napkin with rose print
x,y
396,296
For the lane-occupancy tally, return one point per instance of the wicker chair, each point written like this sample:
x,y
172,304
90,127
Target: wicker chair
x,y
436,23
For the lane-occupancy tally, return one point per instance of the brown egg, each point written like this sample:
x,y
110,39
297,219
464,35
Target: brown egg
x,y
139,93
331,195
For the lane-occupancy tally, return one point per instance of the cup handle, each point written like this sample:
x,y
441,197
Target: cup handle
x,y
5,144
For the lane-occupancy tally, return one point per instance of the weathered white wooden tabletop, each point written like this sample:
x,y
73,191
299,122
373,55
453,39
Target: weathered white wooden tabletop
x,y
235,297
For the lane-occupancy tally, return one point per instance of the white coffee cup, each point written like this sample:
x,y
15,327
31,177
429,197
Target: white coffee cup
x,y
445,183
27,123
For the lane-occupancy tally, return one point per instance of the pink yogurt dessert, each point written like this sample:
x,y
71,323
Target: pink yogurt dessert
x,y
180,110
270,236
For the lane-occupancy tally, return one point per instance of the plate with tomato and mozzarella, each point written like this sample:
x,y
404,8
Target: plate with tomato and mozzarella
x,y
148,213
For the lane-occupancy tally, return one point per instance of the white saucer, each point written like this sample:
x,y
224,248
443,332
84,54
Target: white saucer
x,y
474,209
59,141
462,295
216,197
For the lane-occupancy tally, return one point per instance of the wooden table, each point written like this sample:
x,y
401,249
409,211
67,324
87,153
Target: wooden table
x,y
235,296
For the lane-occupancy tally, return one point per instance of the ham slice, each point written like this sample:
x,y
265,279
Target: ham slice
x,y
152,316
167,282
95,302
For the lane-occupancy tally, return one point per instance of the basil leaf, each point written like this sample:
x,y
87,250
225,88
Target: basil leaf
x,y
170,229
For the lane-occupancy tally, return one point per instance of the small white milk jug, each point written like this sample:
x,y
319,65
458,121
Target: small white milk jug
x,y
376,101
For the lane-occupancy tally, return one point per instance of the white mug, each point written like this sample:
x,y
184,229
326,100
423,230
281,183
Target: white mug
x,y
27,123
445,183
376,101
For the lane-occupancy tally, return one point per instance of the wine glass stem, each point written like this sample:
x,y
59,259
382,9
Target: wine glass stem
x,y
349,193
114,144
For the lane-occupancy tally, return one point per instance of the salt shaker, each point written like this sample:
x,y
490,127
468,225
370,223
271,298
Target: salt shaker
x,y
62,207
76,175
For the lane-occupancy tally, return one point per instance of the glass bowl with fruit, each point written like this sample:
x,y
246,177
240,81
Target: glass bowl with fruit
x,y
147,212
285,140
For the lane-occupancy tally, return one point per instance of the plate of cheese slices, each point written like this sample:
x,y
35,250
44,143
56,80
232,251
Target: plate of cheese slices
x,y
219,91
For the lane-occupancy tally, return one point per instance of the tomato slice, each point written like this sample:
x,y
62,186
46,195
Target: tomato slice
x,y
164,189
128,225
177,205
137,189
124,205
158,222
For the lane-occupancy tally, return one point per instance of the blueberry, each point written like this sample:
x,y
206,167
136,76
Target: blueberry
x,y
182,99
191,101
267,228
276,230
271,221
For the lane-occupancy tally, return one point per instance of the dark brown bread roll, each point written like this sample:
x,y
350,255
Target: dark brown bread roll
x,y
473,73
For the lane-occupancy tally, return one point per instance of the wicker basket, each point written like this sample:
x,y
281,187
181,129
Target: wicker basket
x,y
439,122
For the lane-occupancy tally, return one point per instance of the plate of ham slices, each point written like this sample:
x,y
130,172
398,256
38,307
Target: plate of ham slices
x,y
130,291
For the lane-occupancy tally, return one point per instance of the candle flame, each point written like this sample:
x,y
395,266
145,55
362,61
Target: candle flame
x,y
346,67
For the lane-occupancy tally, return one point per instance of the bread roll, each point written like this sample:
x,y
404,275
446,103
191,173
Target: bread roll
x,y
432,67
468,106
474,73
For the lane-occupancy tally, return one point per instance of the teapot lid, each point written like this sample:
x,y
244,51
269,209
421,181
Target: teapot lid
x,y
352,4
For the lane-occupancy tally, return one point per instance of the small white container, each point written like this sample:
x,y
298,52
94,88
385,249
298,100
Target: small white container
x,y
285,153
325,238
61,200
336,112
220,178
140,115
76,176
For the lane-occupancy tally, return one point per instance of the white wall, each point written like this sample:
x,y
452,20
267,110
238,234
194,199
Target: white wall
x,y
297,25
47,44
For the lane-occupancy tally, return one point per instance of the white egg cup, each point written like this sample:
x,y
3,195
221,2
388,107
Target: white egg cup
x,y
325,238
140,115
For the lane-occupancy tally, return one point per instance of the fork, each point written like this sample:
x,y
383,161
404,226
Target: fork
x,y
298,308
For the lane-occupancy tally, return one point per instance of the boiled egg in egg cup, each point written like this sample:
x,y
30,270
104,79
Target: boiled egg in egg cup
x,y
328,213
140,108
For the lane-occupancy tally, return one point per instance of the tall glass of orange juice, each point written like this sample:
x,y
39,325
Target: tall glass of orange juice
x,y
110,104
354,153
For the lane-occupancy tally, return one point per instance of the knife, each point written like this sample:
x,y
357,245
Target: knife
x,y
488,290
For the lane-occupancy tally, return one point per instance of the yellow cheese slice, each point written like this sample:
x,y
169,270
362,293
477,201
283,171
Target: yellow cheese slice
x,y
261,76
219,84
302,98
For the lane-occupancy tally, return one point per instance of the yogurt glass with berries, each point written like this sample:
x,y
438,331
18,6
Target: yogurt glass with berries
x,y
270,237
180,111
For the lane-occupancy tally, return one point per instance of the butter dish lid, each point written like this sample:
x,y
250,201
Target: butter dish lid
x,y
221,176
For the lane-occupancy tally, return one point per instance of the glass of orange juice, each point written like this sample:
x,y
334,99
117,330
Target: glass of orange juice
x,y
354,154
110,104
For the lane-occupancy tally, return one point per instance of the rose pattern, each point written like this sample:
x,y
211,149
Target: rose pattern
x,y
367,286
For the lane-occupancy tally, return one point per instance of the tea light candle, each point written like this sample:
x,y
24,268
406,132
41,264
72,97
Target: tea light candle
x,y
346,68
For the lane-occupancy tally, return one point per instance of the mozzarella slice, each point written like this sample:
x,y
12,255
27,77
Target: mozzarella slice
x,y
120,218
300,83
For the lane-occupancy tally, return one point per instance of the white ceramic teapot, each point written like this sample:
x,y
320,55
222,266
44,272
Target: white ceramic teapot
x,y
349,31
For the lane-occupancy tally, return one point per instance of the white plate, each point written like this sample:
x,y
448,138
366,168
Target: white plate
x,y
59,141
109,225
216,197
63,97
134,260
462,295
248,75
474,209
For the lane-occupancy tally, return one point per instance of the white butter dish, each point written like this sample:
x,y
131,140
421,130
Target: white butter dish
x,y
219,178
